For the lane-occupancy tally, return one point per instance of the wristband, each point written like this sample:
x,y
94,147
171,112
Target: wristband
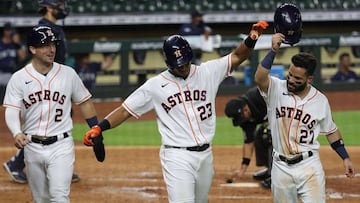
x,y
250,43
92,121
104,125
339,147
268,60
245,161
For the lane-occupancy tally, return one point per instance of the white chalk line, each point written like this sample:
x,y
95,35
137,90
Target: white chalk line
x,y
145,191
125,179
340,195
139,191
340,176
240,197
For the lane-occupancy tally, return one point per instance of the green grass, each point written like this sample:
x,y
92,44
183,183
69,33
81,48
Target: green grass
x,y
145,133
348,123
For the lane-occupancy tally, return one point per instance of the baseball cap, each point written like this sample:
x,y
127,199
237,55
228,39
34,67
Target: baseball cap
x,y
196,13
8,26
234,108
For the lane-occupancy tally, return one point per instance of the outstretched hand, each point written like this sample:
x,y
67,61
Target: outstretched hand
x,y
237,174
94,132
349,168
257,29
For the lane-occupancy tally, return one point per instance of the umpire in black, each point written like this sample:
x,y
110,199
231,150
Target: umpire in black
x,y
250,113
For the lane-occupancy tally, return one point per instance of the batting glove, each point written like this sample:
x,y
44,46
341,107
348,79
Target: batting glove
x,y
92,133
257,29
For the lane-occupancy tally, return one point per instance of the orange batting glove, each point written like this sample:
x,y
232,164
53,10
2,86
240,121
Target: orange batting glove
x,y
257,29
92,133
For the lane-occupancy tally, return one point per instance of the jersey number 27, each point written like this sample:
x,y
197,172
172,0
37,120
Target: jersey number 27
x,y
307,136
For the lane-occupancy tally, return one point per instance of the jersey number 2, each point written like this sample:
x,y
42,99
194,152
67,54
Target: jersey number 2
x,y
307,136
205,111
59,113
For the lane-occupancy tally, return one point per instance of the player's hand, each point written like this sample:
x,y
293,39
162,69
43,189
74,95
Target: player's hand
x,y
237,174
257,29
349,168
21,140
92,133
276,41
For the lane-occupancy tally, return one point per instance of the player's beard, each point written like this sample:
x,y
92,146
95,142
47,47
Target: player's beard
x,y
294,88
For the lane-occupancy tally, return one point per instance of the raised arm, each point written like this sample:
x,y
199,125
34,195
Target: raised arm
x,y
263,69
243,51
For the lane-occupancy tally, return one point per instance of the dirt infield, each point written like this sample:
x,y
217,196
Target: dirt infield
x,y
133,174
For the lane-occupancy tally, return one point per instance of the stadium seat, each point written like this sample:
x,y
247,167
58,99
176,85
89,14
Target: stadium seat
x,y
26,6
351,4
267,4
18,7
120,5
6,7
330,5
169,5
246,6
310,4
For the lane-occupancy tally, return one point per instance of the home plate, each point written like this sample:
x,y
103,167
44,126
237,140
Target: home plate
x,y
243,184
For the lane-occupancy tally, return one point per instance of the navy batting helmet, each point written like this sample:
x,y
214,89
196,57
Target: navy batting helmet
x,y
234,108
41,35
287,20
177,51
59,5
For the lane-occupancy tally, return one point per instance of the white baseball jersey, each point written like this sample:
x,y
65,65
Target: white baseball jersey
x,y
185,108
45,101
295,123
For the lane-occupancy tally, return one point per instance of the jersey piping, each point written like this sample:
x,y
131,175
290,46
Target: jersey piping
x,y
49,102
183,104
41,89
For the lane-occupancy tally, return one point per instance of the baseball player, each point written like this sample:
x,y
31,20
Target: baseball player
x,y
52,11
183,98
297,114
249,112
197,27
88,70
38,103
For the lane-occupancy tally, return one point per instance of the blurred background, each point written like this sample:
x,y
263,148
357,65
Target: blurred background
x,y
133,33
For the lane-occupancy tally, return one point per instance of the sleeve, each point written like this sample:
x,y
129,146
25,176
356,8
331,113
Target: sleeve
x,y
13,94
79,92
249,132
140,101
12,119
327,125
271,95
218,69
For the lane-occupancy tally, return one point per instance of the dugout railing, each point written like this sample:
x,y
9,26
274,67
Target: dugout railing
x,y
139,59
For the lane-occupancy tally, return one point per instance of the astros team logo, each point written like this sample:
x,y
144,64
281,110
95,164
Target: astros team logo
x,y
177,53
